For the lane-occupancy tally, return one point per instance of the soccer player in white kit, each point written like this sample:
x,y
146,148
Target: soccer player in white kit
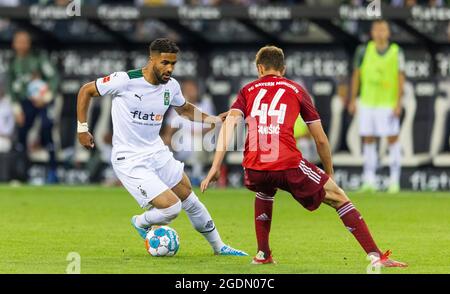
x,y
142,162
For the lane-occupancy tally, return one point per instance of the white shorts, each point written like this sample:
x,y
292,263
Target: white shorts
x,y
147,176
378,122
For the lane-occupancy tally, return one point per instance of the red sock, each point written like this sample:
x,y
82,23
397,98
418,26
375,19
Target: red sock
x,y
354,222
263,220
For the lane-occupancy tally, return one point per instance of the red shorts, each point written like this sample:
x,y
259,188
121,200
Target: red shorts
x,y
305,183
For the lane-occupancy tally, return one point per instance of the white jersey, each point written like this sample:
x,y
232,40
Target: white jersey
x,y
138,108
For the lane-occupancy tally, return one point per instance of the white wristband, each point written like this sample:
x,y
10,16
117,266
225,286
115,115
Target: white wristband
x,y
82,127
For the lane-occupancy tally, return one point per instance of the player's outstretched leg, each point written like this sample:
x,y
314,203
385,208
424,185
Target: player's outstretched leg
x,y
263,221
201,219
165,208
353,221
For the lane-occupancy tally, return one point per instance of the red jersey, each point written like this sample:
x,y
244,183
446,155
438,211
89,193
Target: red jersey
x,y
271,106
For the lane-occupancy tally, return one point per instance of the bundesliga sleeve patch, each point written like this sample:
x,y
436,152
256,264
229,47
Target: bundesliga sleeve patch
x,y
106,79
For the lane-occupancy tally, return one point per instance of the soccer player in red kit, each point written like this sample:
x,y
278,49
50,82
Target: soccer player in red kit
x,y
270,106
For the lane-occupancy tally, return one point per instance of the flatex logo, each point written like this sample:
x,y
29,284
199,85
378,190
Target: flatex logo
x,y
146,116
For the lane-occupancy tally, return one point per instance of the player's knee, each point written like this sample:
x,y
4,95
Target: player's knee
x,y
368,140
183,189
341,197
171,212
336,197
392,139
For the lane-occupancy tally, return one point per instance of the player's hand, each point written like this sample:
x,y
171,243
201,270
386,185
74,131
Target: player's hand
x,y
213,176
20,118
39,103
352,108
86,139
223,115
398,110
213,120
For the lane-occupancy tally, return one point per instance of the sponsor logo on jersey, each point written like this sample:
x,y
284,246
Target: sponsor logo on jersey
x,y
166,97
146,116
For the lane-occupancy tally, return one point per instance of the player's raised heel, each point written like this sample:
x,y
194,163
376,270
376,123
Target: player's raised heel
x,y
260,258
141,231
230,251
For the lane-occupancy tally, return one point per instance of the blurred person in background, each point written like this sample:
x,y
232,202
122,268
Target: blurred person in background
x,y
159,2
406,3
436,3
186,137
411,3
378,76
10,3
32,85
6,132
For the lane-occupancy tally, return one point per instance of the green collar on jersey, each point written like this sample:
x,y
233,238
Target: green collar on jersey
x,y
135,73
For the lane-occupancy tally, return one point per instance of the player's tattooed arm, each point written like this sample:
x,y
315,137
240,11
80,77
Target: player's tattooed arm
x,y
83,99
223,141
322,146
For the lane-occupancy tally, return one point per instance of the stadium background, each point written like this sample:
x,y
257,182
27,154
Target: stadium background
x,y
218,41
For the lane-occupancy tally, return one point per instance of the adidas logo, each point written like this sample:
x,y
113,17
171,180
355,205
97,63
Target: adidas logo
x,y
209,224
263,217
260,255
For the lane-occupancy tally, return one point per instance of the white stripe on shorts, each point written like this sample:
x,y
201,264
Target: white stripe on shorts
x,y
310,173
313,173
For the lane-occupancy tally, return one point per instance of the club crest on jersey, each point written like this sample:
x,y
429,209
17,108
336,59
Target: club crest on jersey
x,y
166,97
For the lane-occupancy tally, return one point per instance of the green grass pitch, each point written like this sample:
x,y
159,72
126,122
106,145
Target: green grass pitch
x,y
40,225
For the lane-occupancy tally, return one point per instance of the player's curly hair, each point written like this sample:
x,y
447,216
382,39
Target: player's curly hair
x,y
271,57
164,45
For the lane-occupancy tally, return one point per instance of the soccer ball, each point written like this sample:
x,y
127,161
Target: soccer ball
x,y
162,241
